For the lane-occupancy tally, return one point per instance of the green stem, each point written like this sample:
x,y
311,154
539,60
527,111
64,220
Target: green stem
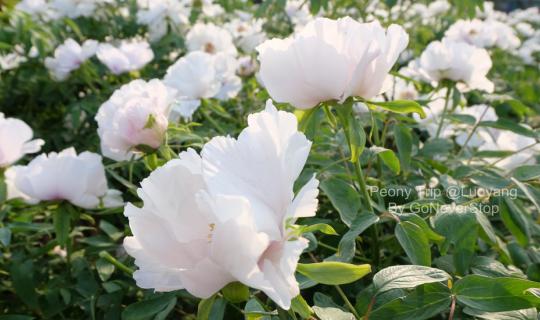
x,y
446,99
347,302
473,131
112,260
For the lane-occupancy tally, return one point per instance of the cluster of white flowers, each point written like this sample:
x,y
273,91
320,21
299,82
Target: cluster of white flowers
x,y
56,9
130,55
220,218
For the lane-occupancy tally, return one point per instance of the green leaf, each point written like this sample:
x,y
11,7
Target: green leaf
x,y
514,219
404,144
332,314
495,294
104,269
235,292
5,236
524,314
205,307
255,311
110,230
417,220
3,189
415,242
424,302
347,244
510,125
333,272
358,139
321,227
62,223
401,106
344,198
300,306
22,278
409,276
528,172
460,229
388,157
147,309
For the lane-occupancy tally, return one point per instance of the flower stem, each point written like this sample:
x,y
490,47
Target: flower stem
x,y
445,110
347,302
112,260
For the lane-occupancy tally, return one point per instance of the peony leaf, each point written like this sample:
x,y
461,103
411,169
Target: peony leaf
x,y
332,272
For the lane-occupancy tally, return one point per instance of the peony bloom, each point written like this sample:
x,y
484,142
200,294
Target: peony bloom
x,y
330,60
199,75
457,61
483,34
79,179
223,216
135,115
247,34
33,7
69,56
75,8
157,14
210,39
15,140
525,149
128,56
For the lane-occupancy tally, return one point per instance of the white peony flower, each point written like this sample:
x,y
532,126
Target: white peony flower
x,y
158,14
210,39
135,115
221,217
298,13
524,148
211,9
483,34
79,179
330,60
33,7
199,75
529,49
247,34
11,61
69,56
75,8
457,61
128,56
16,140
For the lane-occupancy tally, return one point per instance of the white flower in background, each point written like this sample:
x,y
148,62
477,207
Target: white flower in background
x,y
135,115
157,14
16,140
483,34
531,14
298,13
524,148
199,75
426,13
529,49
210,39
130,55
330,60
247,66
69,56
525,29
221,217
457,61
33,7
11,61
79,179
401,89
74,8
211,9
247,34
481,135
